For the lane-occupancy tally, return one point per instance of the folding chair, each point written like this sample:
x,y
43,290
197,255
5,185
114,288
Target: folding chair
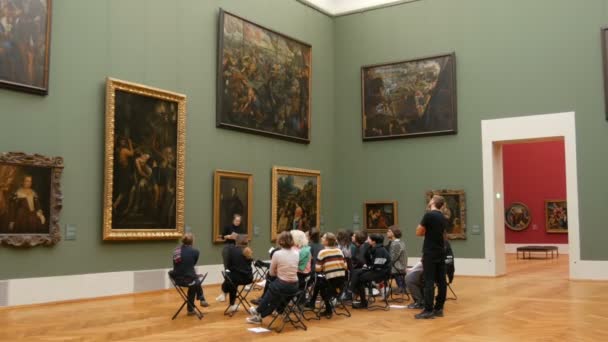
x,y
260,270
338,299
291,314
451,290
242,291
179,287
383,291
402,296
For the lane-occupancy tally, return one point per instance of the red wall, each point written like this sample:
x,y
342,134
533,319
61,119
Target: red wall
x,y
533,173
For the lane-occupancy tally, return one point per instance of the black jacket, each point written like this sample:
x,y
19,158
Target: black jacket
x,y
380,259
361,256
449,262
184,259
236,262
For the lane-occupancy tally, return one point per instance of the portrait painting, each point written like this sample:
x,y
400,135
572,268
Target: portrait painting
x,y
25,34
517,216
380,216
556,216
30,199
454,210
410,98
263,81
144,170
232,196
296,200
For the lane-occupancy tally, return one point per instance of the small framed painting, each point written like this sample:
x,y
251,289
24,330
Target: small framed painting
x,y
232,195
380,216
556,216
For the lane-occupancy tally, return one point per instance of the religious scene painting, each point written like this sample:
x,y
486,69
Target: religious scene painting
x,y
144,185
409,99
263,81
25,33
296,199
233,193
30,199
454,211
557,216
517,216
380,215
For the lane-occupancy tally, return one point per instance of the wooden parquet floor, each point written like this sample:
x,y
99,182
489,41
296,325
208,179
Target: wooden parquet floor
x,y
534,302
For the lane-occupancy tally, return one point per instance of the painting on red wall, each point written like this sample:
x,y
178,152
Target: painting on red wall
x,y
557,216
517,216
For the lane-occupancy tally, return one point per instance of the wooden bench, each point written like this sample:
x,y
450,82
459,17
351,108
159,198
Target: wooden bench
x,y
537,249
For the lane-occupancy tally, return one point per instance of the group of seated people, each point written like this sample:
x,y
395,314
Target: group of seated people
x,y
342,265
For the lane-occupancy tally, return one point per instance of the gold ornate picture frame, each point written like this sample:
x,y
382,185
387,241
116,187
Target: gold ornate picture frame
x,y
296,199
380,215
556,216
454,210
30,199
232,194
145,138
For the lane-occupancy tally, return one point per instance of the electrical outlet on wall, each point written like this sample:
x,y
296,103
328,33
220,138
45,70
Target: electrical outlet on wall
x,y
256,230
70,232
475,229
534,227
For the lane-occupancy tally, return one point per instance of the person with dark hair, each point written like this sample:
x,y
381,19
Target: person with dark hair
x,y
238,269
398,254
284,266
331,272
433,227
185,258
314,237
344,242
377,269
230,235
360,257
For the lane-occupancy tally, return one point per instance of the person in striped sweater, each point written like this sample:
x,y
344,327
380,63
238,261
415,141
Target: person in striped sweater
x,y
331,269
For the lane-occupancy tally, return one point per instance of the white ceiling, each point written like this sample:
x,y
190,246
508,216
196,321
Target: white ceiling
x,y
342,7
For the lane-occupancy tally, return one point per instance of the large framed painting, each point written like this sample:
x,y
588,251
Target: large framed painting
x,y
263,80
517,216
232,195
410,98
556,216
454,211
296,200
604,35
30,199
144,162
25,41
380,216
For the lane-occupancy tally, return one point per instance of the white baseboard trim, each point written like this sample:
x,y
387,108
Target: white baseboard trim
x,y
82,286
588,270
563,248
465,266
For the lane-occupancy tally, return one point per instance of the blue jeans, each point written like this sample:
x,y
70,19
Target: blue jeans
x,y
278,294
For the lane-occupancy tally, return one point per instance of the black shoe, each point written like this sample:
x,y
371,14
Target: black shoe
x,y
438,313
204,303
327,314
415,306
362,305
425,315
191,313
255,301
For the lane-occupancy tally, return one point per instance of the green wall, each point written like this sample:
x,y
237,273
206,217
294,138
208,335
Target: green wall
x,y
516,57
170,45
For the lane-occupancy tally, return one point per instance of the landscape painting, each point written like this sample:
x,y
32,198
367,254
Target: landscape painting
x,y
409,99
263,81
296,200
145,136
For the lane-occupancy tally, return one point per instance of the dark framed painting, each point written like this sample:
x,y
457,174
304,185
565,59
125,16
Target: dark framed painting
x,y
30,199
263,80
517,216
144,162
454,210
380,216
604,34
25,44
556,212
232,195
410,98
296,200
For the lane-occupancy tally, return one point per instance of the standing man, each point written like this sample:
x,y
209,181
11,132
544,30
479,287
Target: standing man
x,y
433,227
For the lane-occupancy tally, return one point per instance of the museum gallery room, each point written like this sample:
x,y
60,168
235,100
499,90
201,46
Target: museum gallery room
x,y
303,170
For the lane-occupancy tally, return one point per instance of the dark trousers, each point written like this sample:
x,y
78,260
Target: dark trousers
x,y
361,277
434,273
194,290
277,295
329,289
237,279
